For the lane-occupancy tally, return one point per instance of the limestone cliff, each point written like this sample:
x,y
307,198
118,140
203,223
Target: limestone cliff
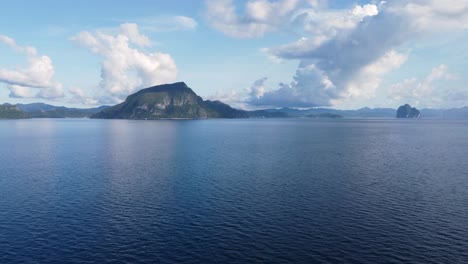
x,y
406,111
169,101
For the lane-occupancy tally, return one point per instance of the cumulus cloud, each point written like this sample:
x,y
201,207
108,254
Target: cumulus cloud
x,y
335,52
34,80
232,97
260,16
430,89
435,15
257,89
343,54
321,26
126,66
310,88
330,69
130,30
368,80
365,10
240,98
17,91
328,21
80,97
347,55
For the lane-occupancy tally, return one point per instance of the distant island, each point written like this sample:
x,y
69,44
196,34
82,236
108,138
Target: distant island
x,y
41,110
325,115
169,101
178,101
406,111
8,111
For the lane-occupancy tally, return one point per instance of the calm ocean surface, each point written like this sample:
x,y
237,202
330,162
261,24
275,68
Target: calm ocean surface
x,y
233,191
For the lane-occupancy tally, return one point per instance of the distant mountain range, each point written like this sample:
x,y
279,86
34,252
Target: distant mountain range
x,y
178,101
427,113
40,110
359,113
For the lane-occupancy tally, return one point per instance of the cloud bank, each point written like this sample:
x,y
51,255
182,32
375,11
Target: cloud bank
x,y
415,89
260,16
340,59
126,64
34,80
343,54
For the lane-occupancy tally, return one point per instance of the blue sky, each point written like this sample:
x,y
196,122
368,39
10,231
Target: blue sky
x,y
251,54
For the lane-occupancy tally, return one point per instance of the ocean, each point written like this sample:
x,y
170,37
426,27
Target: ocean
x,y
234,191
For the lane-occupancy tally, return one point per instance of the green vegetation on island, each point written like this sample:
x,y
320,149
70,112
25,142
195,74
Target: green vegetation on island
x,y
40,110
8,111
406,111
169,101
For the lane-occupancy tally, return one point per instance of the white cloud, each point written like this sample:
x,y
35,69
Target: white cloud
x,y
345,54
167,23
30,51
257,89
17,91
240,98
341,60
295,49
365,10
126,67
52,92
429,91
311,87
317,3
259,10
80,97
261,16
366,83
131,31
435,15
185,22
38,74
232,97
321,26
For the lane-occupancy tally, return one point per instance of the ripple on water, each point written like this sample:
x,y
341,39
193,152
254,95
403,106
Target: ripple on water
x,y
233,191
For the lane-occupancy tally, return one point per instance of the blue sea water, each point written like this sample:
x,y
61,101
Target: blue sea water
x,y
233,191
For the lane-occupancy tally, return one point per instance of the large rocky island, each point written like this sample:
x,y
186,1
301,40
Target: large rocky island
x,y
406,111
169,101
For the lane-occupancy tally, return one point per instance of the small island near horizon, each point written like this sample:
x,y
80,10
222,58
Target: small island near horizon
x,y
406,111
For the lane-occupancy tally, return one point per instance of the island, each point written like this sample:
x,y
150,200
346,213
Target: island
x,y
169,101
325,115
406,111
9,111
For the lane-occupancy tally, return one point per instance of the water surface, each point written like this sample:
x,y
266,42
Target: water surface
x,y
233,191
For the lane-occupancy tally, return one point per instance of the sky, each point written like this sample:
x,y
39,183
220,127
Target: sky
x,y
251,54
